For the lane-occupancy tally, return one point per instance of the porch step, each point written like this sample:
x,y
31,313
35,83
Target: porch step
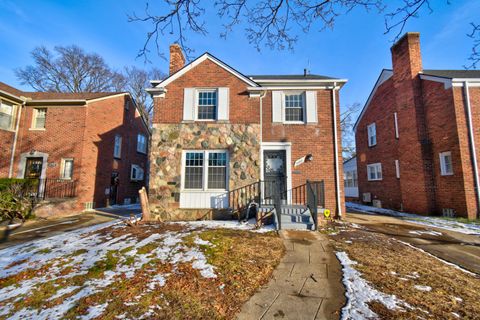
x,y
298,226
303,218
296,217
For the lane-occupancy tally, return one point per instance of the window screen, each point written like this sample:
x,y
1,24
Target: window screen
x,y
294,105
217,170
207,105
194,170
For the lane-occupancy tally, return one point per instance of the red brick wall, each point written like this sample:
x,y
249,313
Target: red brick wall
x,y
98,161
316,139
6,137
381,111
207,74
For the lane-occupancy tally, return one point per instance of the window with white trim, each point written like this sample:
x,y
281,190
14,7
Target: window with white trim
x,y
66,168
446,168
294,107
395,119
136,173
374,171
117,148
372,134
7,114
351,180
207,105
205,170
397,169
141,143
39,118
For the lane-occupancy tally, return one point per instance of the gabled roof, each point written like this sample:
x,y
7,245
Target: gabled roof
x,y
193,64
453,74
9,89
384,76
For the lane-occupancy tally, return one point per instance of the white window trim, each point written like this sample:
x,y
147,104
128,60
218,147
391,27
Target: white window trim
x,y
395,118
397,169
376,166
138,168
284,106
372,125
443,169
14,114
34,119
197,94
62,167
119,156
205,170
145,137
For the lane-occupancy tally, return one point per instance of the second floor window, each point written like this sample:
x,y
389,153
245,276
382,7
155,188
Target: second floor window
x,y
372,134
294,107
117,149
6,115
207,105
39,118
141,143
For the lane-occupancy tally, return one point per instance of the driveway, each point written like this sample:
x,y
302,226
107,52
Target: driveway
x,y
458,248
44,228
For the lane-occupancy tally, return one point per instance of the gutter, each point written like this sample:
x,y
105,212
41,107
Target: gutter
x,y
15,138
335,143
472,145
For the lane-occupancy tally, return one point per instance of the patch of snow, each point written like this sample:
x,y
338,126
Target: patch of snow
x,y
94,311
229,224
429,232
458,299
423,288
360,292
456,315
156,281
202,242
348,241
430,221
444,261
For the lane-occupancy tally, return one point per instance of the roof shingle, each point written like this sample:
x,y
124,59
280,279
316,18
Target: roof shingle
x,y
452,74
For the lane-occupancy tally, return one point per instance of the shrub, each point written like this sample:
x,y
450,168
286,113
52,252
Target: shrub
x,y
15,202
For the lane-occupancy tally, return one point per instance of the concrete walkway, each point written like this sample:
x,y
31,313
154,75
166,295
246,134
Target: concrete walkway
x,y
305,285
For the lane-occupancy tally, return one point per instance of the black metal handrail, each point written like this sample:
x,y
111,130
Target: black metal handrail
x,y
52,188
312,202
239,199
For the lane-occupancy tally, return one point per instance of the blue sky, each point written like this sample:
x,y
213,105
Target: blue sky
x,y
356,48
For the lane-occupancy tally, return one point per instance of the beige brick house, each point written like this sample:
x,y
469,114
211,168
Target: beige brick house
x,y
220,136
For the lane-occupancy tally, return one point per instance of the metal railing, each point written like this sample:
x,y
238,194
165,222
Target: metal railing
x,y
52,188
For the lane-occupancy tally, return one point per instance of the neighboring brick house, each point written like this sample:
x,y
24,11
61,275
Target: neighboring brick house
x,y
216,130
416,134
83,144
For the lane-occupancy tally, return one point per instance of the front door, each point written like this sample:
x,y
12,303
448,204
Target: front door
x,y
275,168
33,168
114,180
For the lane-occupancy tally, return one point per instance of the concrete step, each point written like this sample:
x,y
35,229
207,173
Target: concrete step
x,y
297,226
305,218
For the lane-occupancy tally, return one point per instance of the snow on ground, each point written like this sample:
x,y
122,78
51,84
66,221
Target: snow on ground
x,y
82,249
359,293
429,221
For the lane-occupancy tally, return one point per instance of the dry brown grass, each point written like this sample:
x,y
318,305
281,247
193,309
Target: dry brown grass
x,y
395,268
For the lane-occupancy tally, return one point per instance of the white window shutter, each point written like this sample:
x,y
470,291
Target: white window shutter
x,y
189,104
277,106
311,106
223,104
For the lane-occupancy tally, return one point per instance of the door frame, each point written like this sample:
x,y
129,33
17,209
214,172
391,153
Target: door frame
x,y
287,146
23,162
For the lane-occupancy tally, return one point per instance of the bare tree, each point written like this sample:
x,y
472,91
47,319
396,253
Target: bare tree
x,y
136,81
474,58
347,122
69,69
273,23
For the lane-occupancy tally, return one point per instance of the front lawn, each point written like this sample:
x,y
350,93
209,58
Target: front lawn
x,y
150,271
389,279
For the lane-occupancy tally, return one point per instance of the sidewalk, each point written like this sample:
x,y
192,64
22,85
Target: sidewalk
x,y
307,284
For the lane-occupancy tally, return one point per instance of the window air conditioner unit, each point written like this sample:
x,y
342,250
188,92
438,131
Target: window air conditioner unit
x,y
377,203
367,197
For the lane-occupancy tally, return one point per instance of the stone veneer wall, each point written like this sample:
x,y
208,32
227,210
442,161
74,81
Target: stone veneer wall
x,y
169,140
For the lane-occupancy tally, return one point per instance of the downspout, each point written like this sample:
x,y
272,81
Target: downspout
x,y
472,144
15,137
335,143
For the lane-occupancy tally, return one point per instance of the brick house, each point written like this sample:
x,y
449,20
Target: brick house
x,y
416,134
92,146
216,130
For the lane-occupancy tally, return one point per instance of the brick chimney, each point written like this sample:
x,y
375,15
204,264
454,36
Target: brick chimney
x,y
406,56
177,60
